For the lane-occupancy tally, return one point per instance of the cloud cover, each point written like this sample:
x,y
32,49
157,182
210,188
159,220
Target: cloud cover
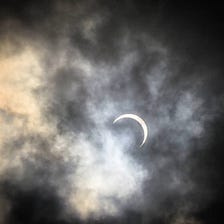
x,y
68,68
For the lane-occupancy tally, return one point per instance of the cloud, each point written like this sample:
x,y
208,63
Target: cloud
x,y
67,69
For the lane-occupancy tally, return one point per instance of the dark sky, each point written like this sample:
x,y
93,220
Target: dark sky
x,y
68,69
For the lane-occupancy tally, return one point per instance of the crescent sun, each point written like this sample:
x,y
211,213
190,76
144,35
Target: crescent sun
x,y
139,120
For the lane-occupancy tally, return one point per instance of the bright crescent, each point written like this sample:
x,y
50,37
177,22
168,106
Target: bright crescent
x,y
139,120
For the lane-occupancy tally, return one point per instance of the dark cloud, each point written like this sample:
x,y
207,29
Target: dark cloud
x,y
28,13
32,206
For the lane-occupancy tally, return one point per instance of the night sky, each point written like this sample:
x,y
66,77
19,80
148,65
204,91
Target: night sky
x,y
68,68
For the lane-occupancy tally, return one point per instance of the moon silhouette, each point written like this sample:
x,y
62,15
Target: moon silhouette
x,y
139,120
